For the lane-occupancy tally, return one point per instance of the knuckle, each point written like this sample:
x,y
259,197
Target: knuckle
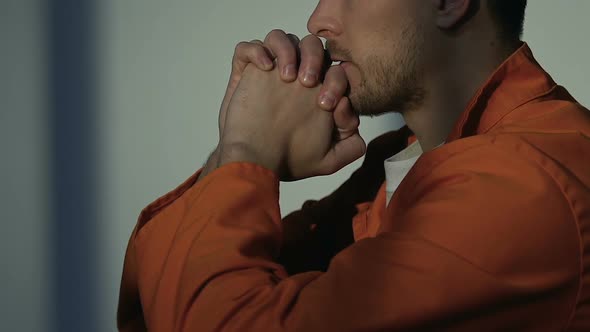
x,y
275,33
294,38
241,46
285,52
312,43
245,50
313,55
310,39
336,83
336,73
257,49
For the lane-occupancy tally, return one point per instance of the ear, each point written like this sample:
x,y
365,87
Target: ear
x,y
451,12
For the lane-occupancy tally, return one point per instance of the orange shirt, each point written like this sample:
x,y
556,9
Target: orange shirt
x,y
490,232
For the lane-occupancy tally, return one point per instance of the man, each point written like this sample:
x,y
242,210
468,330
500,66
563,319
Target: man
x,y
482,222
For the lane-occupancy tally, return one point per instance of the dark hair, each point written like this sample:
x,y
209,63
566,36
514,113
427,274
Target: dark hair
x,y
509,16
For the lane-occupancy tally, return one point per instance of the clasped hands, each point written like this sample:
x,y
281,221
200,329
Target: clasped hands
x,y
278,112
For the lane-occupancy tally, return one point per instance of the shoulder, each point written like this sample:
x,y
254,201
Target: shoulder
x,y
519,155
491,200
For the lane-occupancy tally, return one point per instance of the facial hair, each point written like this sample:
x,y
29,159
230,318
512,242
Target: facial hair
x,y
389,82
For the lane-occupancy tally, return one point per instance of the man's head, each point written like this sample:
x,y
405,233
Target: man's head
x,y
508,16
394,46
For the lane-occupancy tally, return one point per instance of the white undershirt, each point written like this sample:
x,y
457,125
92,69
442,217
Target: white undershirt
x,y
398,166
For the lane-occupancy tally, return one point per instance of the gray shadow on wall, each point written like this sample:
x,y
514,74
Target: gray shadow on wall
x,y
71,38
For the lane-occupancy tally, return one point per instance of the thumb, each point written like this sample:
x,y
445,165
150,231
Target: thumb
x,y
348,145
343,153
345,121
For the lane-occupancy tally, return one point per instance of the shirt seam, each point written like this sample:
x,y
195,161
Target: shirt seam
x,y
575,218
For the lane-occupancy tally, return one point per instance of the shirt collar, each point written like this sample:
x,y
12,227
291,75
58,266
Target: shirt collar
x,y
517,81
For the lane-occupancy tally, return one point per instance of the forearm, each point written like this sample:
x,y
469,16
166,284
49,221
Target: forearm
x,y
230,153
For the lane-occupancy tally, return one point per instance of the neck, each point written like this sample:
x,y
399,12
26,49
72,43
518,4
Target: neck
x,y
451,86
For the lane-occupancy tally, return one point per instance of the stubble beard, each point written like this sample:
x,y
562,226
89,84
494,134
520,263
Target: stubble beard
x,y
391,83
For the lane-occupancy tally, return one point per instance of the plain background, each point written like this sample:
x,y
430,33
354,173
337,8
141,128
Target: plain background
x,y
161,70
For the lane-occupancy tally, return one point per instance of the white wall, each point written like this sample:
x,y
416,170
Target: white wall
x,y
558,33
164,66
25,271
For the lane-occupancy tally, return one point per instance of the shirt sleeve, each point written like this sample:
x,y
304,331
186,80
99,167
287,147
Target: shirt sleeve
x,y
472,250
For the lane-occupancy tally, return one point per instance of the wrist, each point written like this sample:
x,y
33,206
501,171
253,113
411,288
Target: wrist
x,y
240,152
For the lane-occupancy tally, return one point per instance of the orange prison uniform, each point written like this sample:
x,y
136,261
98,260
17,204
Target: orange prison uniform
x,y
489,232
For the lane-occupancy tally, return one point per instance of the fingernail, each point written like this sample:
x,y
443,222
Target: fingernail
x,y
310,77
267,63
290,71
327,101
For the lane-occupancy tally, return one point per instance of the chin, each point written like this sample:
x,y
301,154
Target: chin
x,y
365,106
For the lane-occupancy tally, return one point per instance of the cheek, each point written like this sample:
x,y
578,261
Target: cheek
x,y
370,51
362,72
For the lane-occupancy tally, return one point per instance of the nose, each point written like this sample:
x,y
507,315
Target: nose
x,y
325,21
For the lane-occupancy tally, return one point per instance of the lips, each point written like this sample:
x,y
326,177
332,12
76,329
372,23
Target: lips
x,y
338,60
344,64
